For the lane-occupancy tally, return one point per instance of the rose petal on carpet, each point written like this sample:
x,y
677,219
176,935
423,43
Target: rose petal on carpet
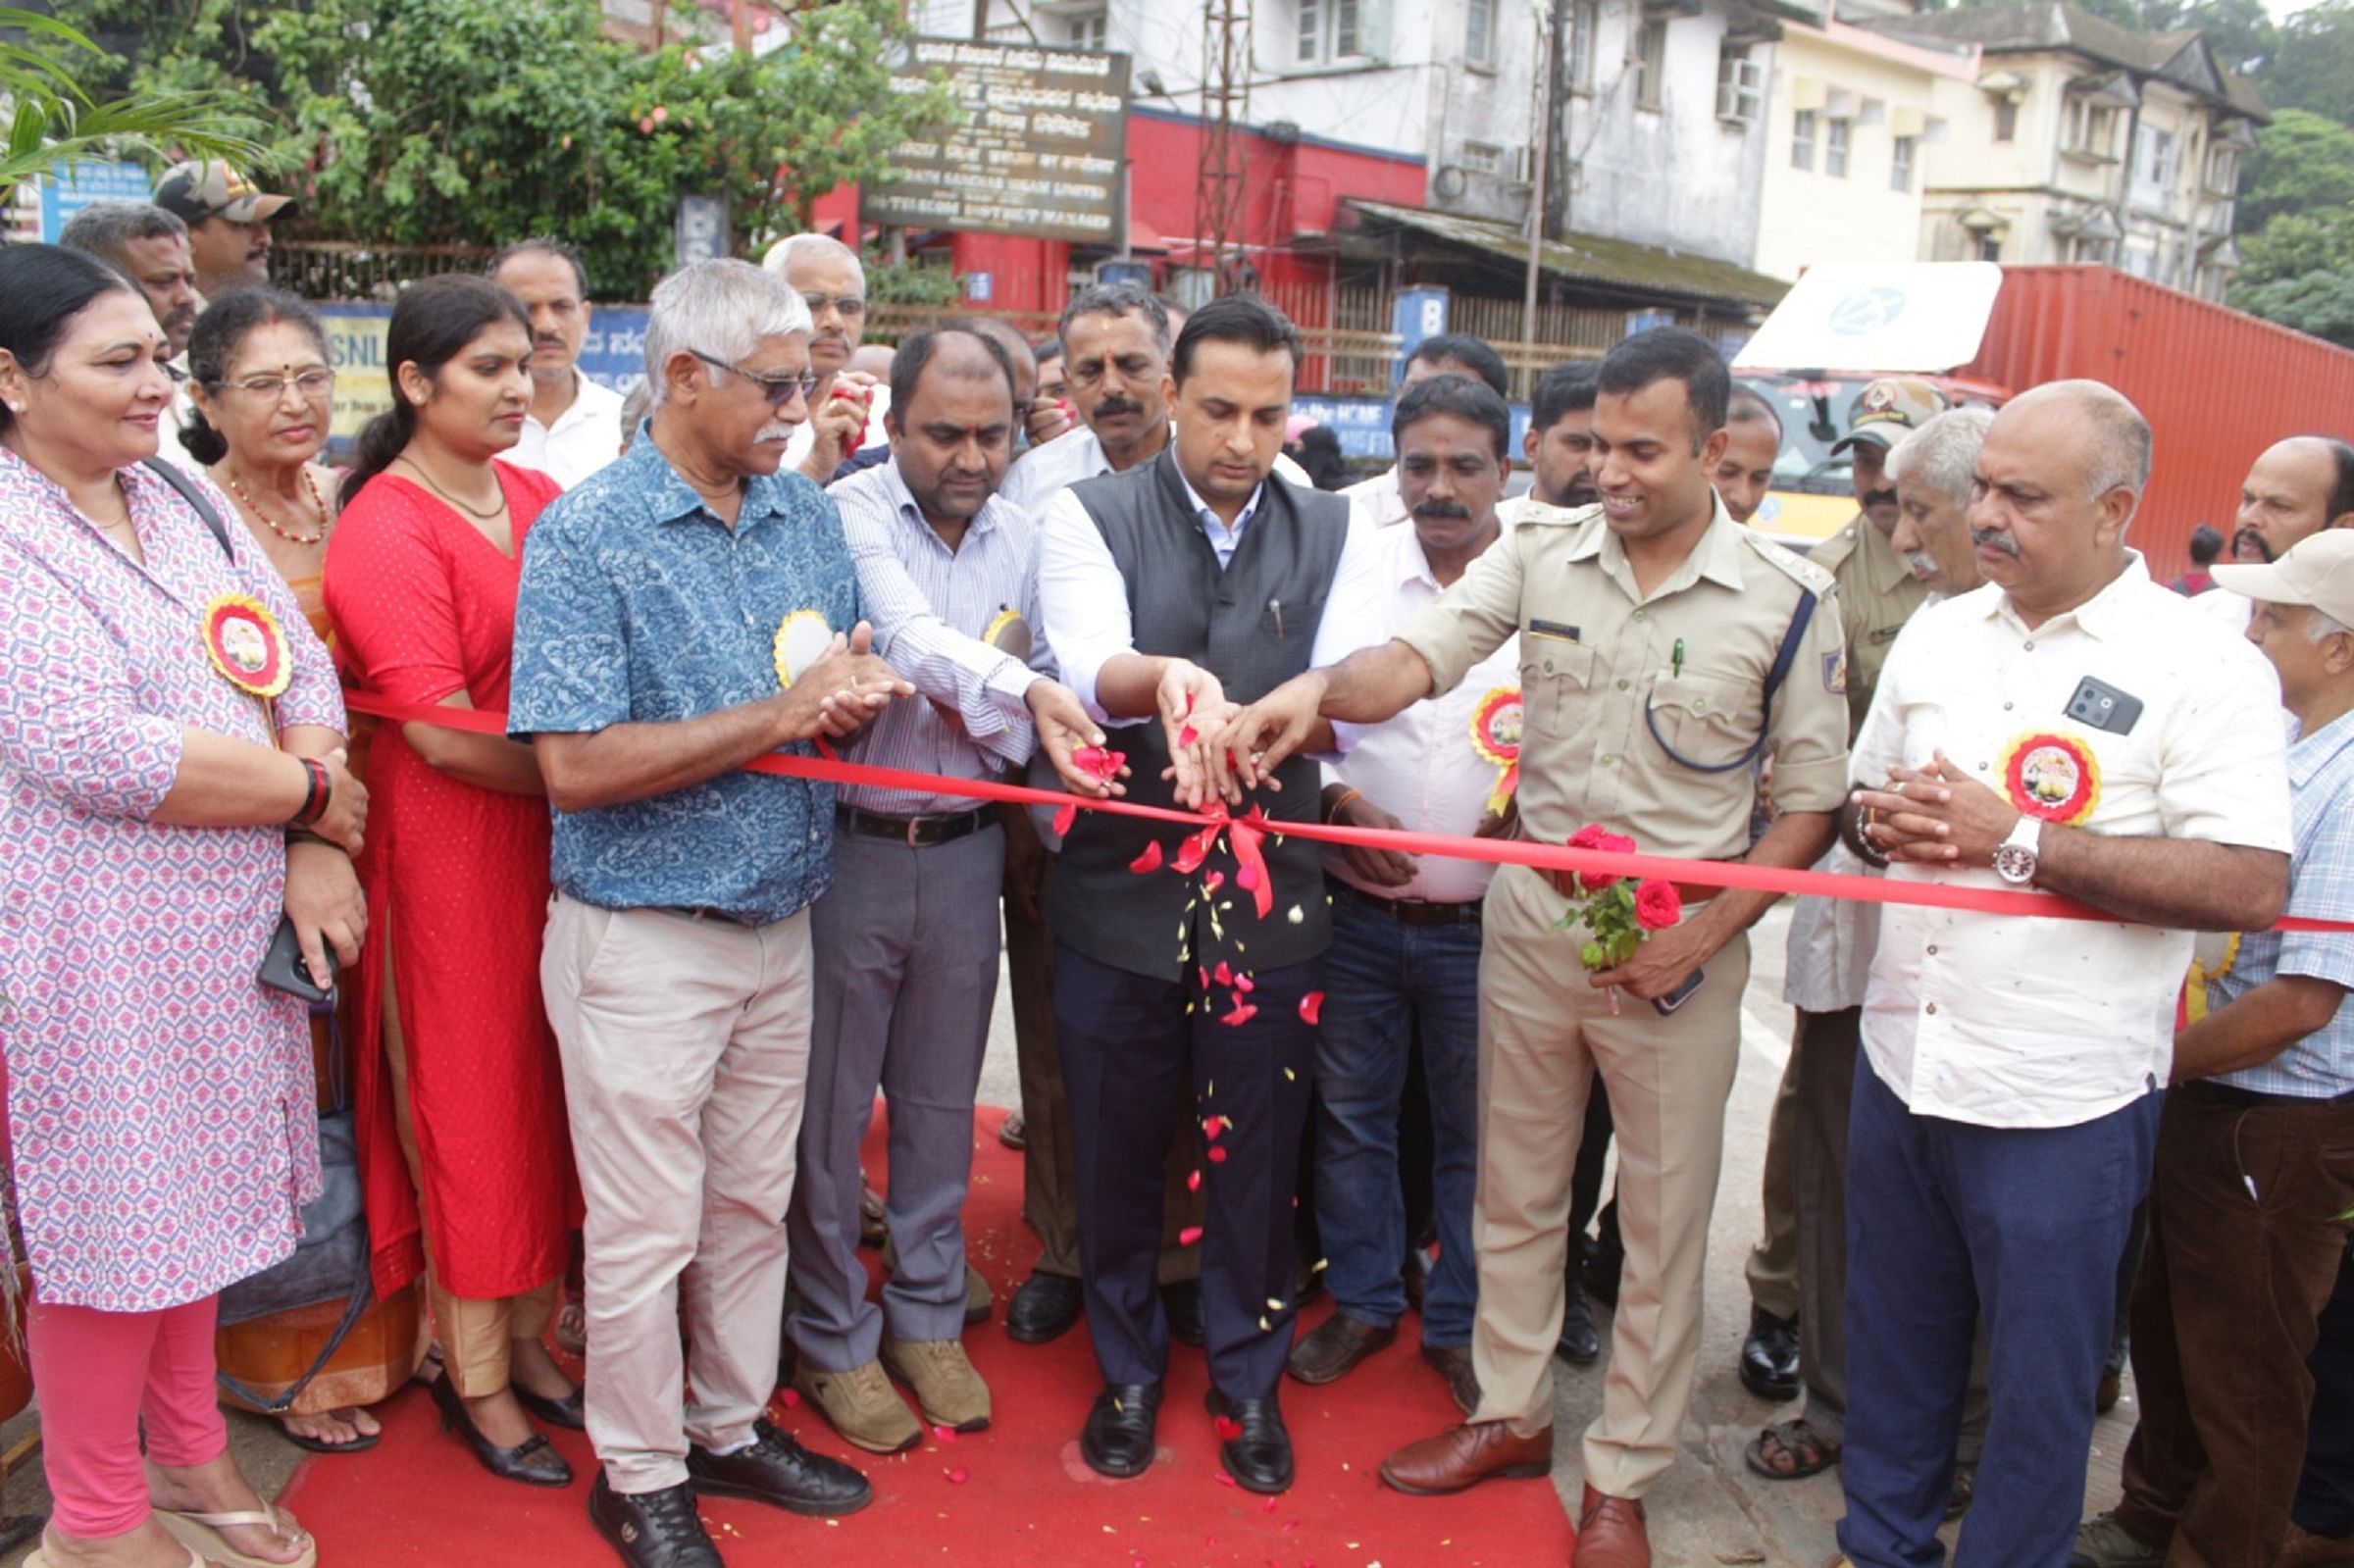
x,y
1016,1496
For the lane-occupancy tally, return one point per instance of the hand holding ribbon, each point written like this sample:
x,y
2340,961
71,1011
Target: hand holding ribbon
x,y
849,683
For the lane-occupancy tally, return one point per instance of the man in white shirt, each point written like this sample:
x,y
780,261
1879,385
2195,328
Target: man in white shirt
x,y
573,426
1379,501
845,411
1406,928
2071,725
2296,488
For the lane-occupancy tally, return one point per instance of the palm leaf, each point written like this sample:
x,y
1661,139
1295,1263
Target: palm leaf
x,y
56,121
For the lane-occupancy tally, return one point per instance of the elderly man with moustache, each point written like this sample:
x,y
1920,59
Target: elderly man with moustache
x,y
1831,960
2074,726
2255,1170
572,427
907,959
845,411
682,612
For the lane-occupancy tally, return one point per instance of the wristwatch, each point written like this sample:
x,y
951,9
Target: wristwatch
x,y
2015,858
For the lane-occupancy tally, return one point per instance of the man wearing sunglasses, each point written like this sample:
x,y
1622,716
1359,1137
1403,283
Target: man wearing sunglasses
x,y
846,409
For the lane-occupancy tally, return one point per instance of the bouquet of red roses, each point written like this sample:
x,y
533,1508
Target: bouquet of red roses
x,y
1616,913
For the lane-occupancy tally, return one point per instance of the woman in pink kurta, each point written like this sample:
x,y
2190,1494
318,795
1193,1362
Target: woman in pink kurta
x,y
160,1121
456,1055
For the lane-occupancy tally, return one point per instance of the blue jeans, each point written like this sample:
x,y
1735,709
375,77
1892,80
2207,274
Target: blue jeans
x,y
1948,1222
1381,979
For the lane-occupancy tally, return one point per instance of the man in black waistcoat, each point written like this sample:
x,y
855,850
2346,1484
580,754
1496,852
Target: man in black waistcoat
x,y
1187,964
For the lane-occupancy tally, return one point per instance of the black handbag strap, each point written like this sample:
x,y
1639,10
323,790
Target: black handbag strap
x,y
171,476
360,1301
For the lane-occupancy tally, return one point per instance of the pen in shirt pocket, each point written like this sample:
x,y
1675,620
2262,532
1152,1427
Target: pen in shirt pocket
x,y
1275,609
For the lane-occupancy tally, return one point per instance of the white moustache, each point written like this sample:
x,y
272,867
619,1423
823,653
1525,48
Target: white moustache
x,y
778,431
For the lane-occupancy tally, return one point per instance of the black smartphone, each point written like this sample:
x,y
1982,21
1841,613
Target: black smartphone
x,y
283,967
2099,705
1684,990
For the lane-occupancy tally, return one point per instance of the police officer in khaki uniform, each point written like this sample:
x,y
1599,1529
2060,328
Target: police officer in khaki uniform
x,y
1652,628
1877,595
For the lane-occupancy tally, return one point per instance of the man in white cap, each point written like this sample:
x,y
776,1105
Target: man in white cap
x,y
2254,1174
228,221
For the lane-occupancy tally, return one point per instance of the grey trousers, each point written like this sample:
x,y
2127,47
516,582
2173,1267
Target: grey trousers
x,y
905,953
1820,1086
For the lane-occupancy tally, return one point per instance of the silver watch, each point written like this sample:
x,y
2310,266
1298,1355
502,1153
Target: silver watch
x,y
2015,858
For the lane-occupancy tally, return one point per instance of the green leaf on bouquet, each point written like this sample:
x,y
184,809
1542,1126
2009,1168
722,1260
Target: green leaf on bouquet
x,y
1591,955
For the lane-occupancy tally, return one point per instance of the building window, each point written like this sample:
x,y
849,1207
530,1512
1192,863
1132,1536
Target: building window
x,y
2156,165
2006,119
1989,248
1483,156
1584,15
1650,63
1900,163
1327,31
1740,85
2089,128
2222,172
1838,134
1088,30
1479,33
1802,140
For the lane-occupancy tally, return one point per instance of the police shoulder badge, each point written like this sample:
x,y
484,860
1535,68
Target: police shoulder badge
x,y
246,645
1835,671
801,641
1496,736
2054,776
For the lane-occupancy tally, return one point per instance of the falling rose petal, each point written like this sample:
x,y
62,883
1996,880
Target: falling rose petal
x,y
1149,860
1063,820
945,1434
1222,975
1193,1181
959,1476
1228,1428
1189,1235
1213,882
1213,1126
1224,1479
1243,1013
1311,1007
1217,1153
1270,1507
1245,983
1205,977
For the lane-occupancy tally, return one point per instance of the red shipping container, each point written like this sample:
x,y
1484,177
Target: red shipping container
x,y
2217,386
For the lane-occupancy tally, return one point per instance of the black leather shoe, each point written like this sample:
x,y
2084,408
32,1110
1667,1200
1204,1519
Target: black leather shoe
x,y
532,1462
571,1412
652,1528
1118,1439
1770,1356
1604,1259
1580,1343
1253,1442
1181,1301
1044,1308
777,1470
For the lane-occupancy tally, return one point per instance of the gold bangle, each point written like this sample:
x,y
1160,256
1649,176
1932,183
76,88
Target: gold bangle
x,y
1333,813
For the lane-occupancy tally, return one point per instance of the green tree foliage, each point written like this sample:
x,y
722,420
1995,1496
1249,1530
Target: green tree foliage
x,y
50,78
2311,65
2320,303
2296,226
2302,162
478,121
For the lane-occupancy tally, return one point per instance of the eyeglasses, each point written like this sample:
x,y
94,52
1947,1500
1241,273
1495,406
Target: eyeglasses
x,y
777,389
851,306
311,384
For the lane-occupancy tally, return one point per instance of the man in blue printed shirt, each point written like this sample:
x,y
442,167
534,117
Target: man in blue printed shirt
x,y
2255,1163
664,602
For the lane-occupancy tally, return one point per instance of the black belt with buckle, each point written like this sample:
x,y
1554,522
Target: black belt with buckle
x,y
1411,911
916,832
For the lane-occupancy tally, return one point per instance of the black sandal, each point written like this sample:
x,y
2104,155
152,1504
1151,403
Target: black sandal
x,y
1811,1453
361,1442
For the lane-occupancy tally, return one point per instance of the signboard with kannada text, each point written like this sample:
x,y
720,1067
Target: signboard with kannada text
x,y
612,355
1038,153
71,186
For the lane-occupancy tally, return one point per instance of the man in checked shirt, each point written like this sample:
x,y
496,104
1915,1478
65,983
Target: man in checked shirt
x,y
905,947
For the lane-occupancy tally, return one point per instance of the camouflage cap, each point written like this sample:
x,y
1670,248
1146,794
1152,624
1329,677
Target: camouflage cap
x,y
1891,405
196,191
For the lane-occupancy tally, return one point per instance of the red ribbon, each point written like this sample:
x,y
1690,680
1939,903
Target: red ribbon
x,y
1204,828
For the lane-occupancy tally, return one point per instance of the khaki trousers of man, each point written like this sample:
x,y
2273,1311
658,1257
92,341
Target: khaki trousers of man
x,y
686,1047
1049,1150
478,1334
1772,1266
1544,1034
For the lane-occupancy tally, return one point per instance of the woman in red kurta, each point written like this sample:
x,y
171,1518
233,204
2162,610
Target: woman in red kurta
x,y
459,1086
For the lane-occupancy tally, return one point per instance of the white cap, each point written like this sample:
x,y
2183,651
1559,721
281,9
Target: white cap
x,y
2318,571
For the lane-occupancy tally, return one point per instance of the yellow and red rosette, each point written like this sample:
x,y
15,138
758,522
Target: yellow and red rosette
x,y
2212,957
801,641
1496,736
247,645
2054,776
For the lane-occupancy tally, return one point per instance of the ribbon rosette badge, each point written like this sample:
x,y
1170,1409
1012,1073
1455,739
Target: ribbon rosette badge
x,y
2053,777
801,641
1496,736
1009,634
1617,914
243,641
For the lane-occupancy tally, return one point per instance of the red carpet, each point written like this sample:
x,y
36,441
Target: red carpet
x,y
1012,1496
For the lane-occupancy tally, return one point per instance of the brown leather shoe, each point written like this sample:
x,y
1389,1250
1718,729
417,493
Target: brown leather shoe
x,y
1332,1350
1453,1362
1467,1455
1610,1534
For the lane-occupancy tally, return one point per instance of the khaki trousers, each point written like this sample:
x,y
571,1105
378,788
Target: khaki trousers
x,y
686,1047
1772,1266
477,1334
1544,1034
